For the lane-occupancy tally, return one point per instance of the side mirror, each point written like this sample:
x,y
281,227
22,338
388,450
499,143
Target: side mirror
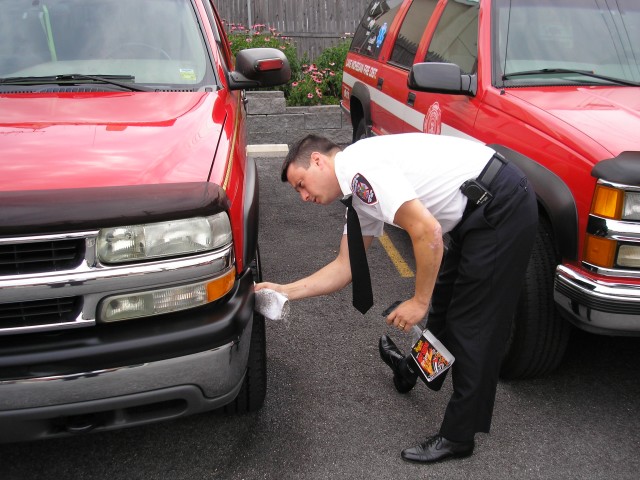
x,y
441,78
259,67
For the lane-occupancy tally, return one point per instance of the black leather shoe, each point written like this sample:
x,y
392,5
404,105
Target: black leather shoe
x,y
403,378
437,448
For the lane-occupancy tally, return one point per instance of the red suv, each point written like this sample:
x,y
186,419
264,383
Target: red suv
x,y
555,87
129,218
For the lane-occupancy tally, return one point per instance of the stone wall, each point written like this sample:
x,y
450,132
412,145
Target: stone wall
x,y
270,121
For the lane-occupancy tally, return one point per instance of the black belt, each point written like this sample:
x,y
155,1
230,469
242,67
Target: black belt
x,y
477,190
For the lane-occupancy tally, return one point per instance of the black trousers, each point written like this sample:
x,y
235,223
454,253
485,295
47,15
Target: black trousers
x,y
476,295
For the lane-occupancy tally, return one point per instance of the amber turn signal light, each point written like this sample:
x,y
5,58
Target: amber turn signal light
x,y
219,287
600,251
607,202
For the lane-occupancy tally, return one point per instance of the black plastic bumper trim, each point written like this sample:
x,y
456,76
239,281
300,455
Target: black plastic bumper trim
x,y
129,342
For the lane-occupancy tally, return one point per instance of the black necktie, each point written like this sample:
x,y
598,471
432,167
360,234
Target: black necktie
x,y
360,279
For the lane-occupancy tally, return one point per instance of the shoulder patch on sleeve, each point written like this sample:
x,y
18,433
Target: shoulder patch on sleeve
x,y
361,188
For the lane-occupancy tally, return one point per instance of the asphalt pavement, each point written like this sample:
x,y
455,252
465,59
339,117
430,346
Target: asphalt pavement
x,y
331,410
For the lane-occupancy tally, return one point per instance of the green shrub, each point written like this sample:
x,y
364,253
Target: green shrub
x,y
319,83
315,83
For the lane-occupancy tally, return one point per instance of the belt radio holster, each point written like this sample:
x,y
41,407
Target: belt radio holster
x,y
477,189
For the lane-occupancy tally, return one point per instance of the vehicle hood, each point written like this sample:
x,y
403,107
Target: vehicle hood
x,y
61,141
610,116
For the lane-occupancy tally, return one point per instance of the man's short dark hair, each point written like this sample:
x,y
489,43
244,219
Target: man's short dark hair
x,y
300,152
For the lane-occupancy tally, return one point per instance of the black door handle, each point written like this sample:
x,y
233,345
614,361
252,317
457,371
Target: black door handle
x,y
380,82
411,98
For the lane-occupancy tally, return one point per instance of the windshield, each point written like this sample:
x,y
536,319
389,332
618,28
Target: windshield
x,y
567,42
155,42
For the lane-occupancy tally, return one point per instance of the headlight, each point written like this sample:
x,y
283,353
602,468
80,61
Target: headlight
x,y
629,256
631,210
166,300
165,239
616,204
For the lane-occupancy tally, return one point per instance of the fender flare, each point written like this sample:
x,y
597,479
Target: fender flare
x,y
554,197
361,92
251,212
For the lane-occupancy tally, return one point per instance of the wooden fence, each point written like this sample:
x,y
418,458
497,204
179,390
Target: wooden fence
x,y
312,24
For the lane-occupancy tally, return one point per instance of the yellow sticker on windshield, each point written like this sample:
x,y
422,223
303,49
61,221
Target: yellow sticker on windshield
x,y
188,74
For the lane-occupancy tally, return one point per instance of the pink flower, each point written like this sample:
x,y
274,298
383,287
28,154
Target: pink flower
x,y
332,74
248,39
309,95
294,84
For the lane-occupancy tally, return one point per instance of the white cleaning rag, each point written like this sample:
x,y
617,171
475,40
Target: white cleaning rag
x,y
273,305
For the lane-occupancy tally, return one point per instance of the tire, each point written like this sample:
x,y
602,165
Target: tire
x,y
360,131
539,335
254,388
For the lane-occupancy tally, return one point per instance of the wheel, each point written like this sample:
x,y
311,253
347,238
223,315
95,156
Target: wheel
x,y
254,388
360,131
539,335
118,52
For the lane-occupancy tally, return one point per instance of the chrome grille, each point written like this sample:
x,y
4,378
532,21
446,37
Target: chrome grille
x,y
53,282
38,257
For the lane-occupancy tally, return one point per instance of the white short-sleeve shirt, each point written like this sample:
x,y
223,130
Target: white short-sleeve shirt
x,y
386,171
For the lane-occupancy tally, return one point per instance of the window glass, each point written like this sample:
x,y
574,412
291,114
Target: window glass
x,y
456,37
218,32
154,41
413,25
588,41
372,31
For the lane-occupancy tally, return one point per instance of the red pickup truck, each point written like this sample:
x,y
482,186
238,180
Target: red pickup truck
x,y
555,87
128,216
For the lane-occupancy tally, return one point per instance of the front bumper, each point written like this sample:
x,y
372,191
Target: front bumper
x,y
596,305
189,362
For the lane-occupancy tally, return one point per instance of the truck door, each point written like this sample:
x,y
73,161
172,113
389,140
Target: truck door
x,y
397,99
371,40
455,40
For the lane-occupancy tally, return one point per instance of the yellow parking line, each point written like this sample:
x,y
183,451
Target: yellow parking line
x,y
403,269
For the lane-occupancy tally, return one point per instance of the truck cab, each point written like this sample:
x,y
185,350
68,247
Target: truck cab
x,y
129,216
553,87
